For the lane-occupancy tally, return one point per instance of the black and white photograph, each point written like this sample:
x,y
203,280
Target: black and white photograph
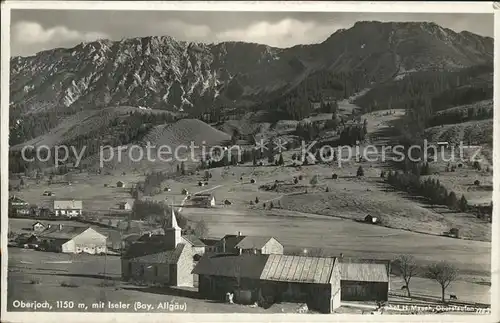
x,y
320,163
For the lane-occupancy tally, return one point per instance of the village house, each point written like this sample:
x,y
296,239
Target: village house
x,y
70,208
271,278
228,243
120,184
203,200
162,259
365,279
38,226
239,243
124,206
17,202
210,244
260,245
70,239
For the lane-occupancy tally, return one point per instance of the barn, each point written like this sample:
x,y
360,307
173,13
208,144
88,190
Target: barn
x,y
70,239
364,279
271,278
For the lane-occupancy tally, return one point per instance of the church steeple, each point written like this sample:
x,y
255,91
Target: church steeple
x,y
173,231
173,219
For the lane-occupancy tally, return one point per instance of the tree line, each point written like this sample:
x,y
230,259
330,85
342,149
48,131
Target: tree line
x,y
430,188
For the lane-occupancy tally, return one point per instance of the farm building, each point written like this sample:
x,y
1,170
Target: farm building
x,y
27,240
38,226
125,206
17,202
365,280
69,239
120,184
371,219
129,239
184,192
238,243
210,244
228,243
273,278
203,200
260,245
69,208
162,259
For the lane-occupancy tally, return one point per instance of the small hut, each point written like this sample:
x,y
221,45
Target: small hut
x,y
371,219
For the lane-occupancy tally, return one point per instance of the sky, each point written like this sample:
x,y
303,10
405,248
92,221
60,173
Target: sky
x,y
36,30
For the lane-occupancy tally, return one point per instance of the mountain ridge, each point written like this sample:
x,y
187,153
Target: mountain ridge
x,y
161,72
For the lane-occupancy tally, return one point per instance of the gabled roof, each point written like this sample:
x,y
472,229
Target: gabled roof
x,y
230,265
65,233
367,270
303,269
69,205
209,241
37,222
193,240
163,257
231,240
253,242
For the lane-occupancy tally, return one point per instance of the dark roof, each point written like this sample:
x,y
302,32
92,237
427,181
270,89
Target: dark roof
x,y
163,257
253,242
143,248
131,237
231,240
303,269
230,265
209,241
152,238
194,240
368,270
66,232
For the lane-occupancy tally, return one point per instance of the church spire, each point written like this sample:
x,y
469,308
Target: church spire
x,y
173,219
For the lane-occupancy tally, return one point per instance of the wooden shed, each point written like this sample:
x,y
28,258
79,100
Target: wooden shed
x,y
365,280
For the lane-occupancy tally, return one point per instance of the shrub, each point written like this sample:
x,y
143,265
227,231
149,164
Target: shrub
x,y
477,182
360,172
256,200
334,176
300,177
68,284
327,189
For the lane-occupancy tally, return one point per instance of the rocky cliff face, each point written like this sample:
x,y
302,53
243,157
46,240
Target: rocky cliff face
x,y
163,73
